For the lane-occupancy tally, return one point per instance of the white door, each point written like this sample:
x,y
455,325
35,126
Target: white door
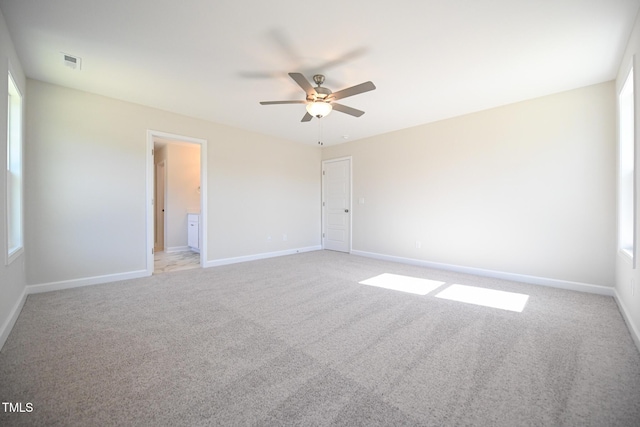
x,y
336,185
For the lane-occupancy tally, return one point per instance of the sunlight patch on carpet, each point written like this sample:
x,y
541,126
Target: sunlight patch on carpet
x,y
396,282
486,297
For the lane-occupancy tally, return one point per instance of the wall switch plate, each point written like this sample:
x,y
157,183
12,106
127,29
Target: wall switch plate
x,y
284,237
418,244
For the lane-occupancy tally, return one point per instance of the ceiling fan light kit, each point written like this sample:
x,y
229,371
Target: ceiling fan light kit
x,y
320,101
319,109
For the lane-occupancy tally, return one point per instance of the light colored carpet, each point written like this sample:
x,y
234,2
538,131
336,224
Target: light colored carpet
x,y
297,340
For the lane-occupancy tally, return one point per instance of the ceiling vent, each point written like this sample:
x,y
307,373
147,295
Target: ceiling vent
x,y
73,62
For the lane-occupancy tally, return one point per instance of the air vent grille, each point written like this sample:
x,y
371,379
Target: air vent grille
x,y
71,61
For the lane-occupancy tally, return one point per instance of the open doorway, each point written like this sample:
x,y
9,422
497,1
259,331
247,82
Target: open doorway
x,y
176,192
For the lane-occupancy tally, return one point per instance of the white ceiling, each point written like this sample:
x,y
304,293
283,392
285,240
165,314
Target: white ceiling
x,y
215,60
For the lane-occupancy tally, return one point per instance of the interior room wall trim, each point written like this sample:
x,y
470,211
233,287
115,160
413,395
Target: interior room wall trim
x,y
264,255
173,249
634,330
532,280
84,281
6,328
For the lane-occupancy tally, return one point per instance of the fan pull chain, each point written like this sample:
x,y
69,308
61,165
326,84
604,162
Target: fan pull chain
x,y
320,132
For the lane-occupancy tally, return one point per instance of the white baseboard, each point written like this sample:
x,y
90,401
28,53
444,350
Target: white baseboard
x,y
6,328
634,330
176,249
85,281
255,257
533,280
97,280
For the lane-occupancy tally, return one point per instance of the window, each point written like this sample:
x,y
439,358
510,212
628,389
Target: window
x,y
626,168
14,173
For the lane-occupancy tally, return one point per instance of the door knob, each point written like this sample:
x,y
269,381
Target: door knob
x,y
346,210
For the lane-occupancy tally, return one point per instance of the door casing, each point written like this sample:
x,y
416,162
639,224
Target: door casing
x,y
151,135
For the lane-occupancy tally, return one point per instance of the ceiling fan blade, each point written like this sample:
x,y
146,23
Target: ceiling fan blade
x,y
282,102
345,57
307,117
347,110
353,90
303,83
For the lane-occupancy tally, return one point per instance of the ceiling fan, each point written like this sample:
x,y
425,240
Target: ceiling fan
x,y
320,101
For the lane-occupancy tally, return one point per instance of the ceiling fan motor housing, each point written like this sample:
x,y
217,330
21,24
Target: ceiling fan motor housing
x,y
321,93
318,79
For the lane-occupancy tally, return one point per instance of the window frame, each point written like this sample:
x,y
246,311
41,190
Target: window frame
x,y
14,224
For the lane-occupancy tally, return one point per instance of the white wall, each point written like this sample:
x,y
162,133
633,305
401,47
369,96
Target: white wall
x,y
625,273
526,188
86,177
181,189
12,277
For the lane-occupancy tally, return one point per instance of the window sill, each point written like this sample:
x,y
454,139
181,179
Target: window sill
x,y
14,254
627,255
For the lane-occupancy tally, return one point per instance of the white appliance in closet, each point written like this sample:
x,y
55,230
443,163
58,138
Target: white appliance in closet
x,y
193,231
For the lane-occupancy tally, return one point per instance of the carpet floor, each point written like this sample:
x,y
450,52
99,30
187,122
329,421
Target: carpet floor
x,y
298,340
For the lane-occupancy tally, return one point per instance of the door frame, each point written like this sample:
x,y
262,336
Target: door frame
x,y
151,135
323,214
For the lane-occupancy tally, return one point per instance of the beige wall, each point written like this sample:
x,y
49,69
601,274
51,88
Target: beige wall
x,y
12,276
86,183
263,190
527,188
625,273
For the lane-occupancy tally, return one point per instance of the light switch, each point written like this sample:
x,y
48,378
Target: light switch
x,y
361,201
